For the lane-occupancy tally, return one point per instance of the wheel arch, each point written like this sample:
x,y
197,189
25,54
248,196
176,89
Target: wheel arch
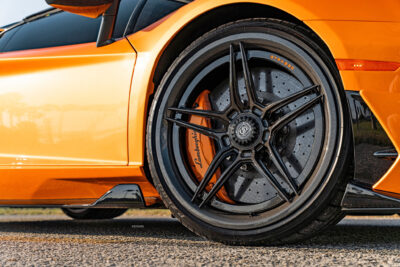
x,y
220,16
159,44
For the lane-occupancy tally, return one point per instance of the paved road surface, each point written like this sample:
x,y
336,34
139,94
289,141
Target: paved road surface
x,y
55,240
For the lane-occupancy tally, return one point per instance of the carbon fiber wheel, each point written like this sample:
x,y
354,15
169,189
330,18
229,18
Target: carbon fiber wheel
x,y
276,128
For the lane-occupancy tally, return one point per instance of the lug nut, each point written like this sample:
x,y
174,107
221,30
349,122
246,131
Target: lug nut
x,y
285,130
244,167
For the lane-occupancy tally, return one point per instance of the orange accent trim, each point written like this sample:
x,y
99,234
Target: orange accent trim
x,y
366,65
86,11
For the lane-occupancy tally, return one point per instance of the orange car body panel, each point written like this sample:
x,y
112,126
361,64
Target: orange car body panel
x,y
60,171
365,30
379,41
64,123
63,106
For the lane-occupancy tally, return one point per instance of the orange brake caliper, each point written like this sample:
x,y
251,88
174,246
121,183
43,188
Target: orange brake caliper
x,y
201,149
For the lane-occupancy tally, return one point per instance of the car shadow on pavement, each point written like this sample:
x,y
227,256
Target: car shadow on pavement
x,y
127,227
355,234
352,234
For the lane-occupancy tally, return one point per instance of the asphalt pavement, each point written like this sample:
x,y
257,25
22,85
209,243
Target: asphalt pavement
x,y
128,241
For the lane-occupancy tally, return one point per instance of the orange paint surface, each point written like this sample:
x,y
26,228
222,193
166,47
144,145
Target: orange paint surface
x,y
65,105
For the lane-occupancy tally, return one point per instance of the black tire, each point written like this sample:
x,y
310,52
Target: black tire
x,y
263,45
93,214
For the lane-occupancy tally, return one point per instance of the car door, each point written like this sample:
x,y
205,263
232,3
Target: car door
x,y
64,101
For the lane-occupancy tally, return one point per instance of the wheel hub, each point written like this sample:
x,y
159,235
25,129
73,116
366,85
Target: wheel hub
x,y
245,130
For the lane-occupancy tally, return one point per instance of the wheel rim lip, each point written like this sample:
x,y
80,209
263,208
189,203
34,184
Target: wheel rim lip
x,y
310,63
194,81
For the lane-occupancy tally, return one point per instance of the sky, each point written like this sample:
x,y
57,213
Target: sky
x,y
15,10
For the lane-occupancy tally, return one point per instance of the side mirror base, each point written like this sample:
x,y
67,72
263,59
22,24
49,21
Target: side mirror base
x,y
107,25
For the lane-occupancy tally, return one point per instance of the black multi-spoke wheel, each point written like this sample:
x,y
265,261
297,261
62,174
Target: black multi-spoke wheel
x,y
277,128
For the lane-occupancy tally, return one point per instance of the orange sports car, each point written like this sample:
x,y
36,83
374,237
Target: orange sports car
x,y
253,121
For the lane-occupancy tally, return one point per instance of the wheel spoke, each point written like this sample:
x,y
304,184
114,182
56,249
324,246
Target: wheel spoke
x,y
280,165
236,103
287,100
248,78
203,113
197,128
263,170
215,163
293,114
226,174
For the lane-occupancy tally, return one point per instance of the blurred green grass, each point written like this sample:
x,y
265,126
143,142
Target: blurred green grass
x,y
131,212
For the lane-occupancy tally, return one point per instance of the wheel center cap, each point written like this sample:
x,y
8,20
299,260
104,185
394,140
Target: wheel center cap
x,y
244,130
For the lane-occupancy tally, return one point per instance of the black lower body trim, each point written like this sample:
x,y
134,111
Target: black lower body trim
x,y
361,200
370,141
122,196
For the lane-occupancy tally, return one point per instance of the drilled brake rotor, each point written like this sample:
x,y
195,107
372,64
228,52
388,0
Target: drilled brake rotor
x,y
246,184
